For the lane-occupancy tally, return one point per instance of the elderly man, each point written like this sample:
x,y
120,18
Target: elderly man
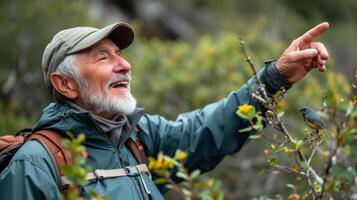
x,y
90,80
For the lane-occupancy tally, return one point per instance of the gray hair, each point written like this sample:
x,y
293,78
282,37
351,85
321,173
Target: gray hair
x,y
69,69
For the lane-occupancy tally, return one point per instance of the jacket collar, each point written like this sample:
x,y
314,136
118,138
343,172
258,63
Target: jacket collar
x,y
63,116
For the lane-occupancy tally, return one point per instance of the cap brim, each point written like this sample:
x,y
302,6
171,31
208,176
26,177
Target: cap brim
x,y
122,34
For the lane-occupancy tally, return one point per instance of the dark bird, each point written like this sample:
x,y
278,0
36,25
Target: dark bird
x,y
313,120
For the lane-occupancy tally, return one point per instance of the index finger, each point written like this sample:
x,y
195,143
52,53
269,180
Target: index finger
x,y
313,33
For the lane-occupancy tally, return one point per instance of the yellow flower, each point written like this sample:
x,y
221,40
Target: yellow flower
x,y
273,146
285,149
180,155
210,183
245,108
316,186
152,163
294,168
294,196
161,164
158,165
168,164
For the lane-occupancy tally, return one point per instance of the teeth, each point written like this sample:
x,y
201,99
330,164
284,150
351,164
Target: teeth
x,y
120,83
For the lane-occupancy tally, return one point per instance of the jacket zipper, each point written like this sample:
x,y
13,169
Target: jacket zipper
x,y
110,142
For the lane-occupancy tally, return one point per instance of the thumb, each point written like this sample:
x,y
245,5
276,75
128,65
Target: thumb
x,y
297,56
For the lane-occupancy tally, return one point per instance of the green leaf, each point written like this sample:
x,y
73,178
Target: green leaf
x,y
354,113
80,148
289,185
66,143
241,115
251,113
331,98
197,185
80,160
297,144
258,127
205,195
281,114
160,181
343,173
255,137
220,195
81,138
304,166
273,161
195,173
170,187
182,175
186,192
217,185
82,182
245,129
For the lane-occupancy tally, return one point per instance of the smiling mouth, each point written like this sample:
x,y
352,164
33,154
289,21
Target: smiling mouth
x,y
119,84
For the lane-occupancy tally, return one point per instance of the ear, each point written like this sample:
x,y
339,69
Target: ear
x,y
65,86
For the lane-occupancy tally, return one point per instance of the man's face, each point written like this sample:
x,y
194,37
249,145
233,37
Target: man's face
x,y
107,80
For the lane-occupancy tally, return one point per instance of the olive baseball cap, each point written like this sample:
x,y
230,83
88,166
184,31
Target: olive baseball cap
x,y
73,40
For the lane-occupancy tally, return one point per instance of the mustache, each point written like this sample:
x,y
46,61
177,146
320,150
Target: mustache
x,y
117,78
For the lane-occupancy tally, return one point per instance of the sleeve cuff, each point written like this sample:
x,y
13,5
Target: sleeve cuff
x,y
272,78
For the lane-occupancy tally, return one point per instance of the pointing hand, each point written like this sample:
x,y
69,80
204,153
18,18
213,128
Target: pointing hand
x,y
303,55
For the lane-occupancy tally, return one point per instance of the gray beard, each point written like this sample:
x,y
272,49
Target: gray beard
x,y
125,104
99,103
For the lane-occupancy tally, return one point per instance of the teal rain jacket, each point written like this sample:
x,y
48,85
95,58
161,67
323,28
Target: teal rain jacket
x,y
207,134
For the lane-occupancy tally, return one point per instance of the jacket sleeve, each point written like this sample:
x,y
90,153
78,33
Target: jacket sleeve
x,y
26,178
210,133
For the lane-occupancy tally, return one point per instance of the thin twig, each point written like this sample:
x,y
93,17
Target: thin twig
x,y
288,170
308,171
313,152
270,103
249,61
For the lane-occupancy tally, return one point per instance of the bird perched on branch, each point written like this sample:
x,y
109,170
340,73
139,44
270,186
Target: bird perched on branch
x,y
313,120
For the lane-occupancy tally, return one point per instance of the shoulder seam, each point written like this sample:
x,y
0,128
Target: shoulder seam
x,y
24,159
32,163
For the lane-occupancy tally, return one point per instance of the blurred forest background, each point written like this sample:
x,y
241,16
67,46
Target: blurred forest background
x,y
186,55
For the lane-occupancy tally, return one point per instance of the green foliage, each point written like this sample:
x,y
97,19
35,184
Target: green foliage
x,y
76,172
10,121
170,77
28,26
191,186
337,178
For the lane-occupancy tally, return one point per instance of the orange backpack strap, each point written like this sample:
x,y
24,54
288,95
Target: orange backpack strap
x,y
137,149
52,141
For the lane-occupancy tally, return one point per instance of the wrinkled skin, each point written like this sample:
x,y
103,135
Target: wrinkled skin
x,y
304,54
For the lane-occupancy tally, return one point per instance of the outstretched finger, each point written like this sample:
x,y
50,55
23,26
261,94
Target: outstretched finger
x,y
313,33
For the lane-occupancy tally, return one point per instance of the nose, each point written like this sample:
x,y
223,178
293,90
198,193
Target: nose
x,y
121,65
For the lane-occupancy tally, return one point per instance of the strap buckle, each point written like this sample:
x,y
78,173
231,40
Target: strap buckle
x,y
99,174
131,170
